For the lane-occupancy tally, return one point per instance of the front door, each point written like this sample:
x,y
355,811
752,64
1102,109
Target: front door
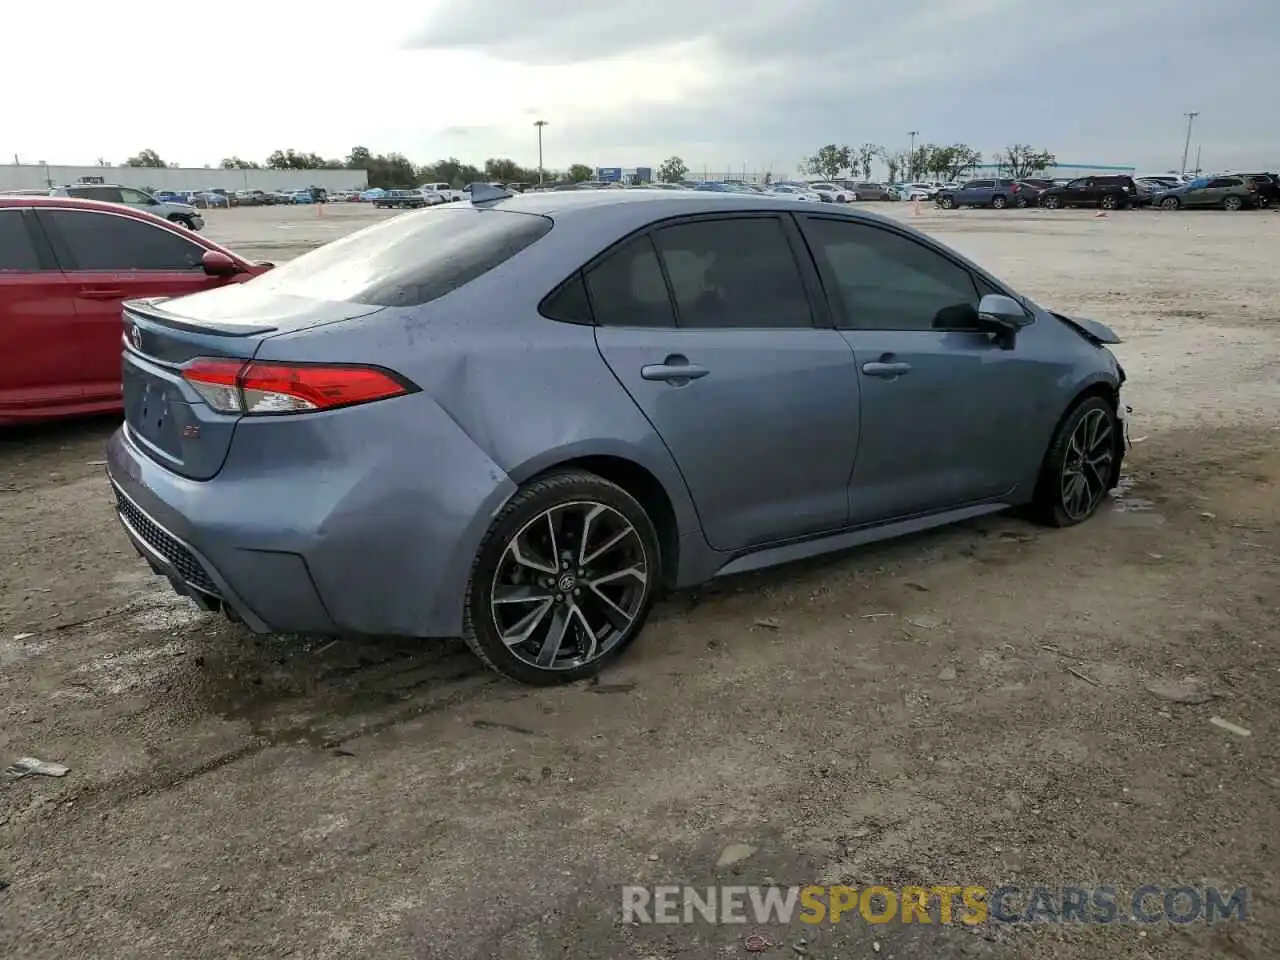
x,y
758,406
109,258
941,403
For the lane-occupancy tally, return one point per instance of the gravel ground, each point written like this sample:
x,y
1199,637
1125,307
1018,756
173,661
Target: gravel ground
x,y
970,706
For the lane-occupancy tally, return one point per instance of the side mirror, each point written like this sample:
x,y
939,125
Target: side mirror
x,y
996,311
218,264
1002,316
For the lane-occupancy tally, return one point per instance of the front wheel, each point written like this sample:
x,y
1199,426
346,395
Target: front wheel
x,y
999,203
1108,202
183,222
946,203
1232,203
1080,466
563,581
1051,203
1169,203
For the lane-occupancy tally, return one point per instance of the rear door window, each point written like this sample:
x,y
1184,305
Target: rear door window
x,y
409,260
627,288
90,240
734,273
17,252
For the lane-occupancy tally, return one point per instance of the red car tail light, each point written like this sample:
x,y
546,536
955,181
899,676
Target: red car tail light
x,y
257,388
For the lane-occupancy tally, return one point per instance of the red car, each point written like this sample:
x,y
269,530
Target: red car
x,y
65,266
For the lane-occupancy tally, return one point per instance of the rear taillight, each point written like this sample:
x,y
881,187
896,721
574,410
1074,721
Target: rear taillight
x,y
262,388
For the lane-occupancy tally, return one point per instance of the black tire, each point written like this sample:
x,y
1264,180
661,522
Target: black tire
x,y
1170,203
561,490
999,203
183,222
1109,202
946,203
1021,203
1093,426
1232,203
1263,201
1051,203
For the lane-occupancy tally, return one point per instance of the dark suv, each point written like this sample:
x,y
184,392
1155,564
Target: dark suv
x,y
1109,193
1268,188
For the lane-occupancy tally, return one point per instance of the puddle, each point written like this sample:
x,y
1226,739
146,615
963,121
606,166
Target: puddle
x,y
1130,510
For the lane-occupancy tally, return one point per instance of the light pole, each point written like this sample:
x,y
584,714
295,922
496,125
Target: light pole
x,y
1186,147
539,124
911,155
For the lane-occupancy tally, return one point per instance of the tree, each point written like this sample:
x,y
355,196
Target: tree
x,y
452,171
673,170
829,161
359,158
867,154
145,158
505,170
896,162
578,172
1022,160
291,159
960,158
235,163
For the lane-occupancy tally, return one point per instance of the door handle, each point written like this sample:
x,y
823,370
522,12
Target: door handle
x,y
886,370
101,293
675,369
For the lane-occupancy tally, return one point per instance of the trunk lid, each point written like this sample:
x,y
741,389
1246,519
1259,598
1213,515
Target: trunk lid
x,y
164,415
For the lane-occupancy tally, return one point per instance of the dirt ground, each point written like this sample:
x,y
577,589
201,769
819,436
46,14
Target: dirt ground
x,y
971,706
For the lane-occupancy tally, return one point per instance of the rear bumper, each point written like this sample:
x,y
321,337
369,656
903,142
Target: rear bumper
x,y
310,529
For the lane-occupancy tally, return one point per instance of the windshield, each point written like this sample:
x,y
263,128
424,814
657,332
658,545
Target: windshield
x,y
410,259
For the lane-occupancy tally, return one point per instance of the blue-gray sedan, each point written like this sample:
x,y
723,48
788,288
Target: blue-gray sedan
x,y
515,420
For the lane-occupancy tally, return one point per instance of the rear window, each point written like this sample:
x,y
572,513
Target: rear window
x,y
409,260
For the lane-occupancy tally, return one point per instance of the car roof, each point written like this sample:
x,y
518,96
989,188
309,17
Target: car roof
x,y
655,204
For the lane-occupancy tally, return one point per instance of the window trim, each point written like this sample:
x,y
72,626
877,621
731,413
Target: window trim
x,y
46,261
835,300
67,262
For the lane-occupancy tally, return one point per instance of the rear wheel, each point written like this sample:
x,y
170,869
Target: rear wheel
x,y
1170,203
1232,203
563,581
1079,468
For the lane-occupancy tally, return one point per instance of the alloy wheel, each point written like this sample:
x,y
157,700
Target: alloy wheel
x,y
1086,465
570,585
1231,203
1169,204
1051,203
1108,203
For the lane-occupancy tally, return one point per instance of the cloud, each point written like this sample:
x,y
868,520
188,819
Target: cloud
x,y
776,81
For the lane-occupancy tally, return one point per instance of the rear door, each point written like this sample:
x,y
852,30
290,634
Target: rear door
x,y
709,325
39,361
111,257
975,193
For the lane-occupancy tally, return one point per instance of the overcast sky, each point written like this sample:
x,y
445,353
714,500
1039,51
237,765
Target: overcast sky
x,y
718,82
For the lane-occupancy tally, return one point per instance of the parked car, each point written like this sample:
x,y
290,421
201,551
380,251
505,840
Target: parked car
x,y
1267,187
795,192
833,192
918,191
173,211
644,432
301,196
65,266
983,192
250,198
870,191
1106,193
1224,193
401,200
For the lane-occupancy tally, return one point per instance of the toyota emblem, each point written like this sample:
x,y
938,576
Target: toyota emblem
x,y
135,337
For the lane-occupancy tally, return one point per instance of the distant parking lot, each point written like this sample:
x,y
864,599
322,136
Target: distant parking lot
x,y
989,703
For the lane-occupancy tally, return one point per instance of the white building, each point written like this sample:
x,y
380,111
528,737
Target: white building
x,y
31,176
